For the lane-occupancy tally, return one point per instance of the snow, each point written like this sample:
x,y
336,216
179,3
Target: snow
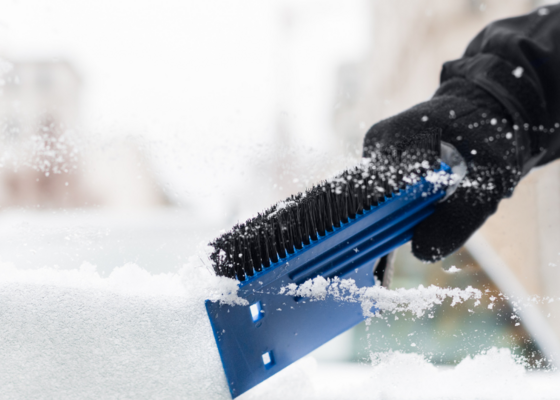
x,y
442,179
518,72
111,329
496,374
417,300
73,333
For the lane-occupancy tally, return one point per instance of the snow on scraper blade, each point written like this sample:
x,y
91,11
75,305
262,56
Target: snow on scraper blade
x,y
273,331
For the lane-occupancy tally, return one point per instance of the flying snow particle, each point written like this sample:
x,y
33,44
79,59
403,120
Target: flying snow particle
x,y
424,118
543,11
453,269
493,121
518,72
509,135
473,152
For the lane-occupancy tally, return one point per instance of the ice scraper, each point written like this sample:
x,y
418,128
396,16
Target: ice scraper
x,y
343,227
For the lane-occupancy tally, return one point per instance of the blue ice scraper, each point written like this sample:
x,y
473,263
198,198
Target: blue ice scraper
x,y
344,227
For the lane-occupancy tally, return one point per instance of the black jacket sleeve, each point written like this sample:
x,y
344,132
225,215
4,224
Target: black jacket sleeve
x,y
517,60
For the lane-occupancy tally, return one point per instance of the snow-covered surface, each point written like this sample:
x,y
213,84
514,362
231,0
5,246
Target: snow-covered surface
x,y
494,375
72,333
416,300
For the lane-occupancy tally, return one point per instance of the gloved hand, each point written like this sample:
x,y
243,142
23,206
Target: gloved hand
x,y
476,124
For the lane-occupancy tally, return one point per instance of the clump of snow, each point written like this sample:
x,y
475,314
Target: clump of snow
x,y
518,72
442,179
417,301
452,270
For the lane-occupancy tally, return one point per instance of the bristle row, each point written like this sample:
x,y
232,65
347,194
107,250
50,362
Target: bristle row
x,y
291,225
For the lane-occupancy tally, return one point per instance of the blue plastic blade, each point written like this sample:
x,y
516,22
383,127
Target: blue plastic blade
x,y
273,331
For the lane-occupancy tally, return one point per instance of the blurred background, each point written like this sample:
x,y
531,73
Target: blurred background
x,y
136,131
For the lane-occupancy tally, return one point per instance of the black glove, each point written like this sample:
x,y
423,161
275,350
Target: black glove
x,y
494,148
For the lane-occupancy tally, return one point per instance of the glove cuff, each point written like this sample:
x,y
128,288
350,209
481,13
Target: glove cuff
x,y
516,92
503,80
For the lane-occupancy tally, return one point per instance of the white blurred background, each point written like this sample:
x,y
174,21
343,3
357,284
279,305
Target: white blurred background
x,y
134,131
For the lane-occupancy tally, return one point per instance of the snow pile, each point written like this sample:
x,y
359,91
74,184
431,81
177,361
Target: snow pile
x,y
493,375
417,300
70,334
192,281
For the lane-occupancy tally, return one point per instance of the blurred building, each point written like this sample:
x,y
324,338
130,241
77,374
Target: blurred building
x,y
39,102
46,161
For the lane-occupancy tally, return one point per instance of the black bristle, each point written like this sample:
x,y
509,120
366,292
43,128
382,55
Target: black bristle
x,y
265,257
279,236
271,235
304,220
328,215
343,205
237,259
312,220
320,215
361,197
335,207
255,247
351,199
246,260
291,225
288,234
229,264
296,215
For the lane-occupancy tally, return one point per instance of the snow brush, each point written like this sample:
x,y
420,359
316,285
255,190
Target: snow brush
x,y
339,228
